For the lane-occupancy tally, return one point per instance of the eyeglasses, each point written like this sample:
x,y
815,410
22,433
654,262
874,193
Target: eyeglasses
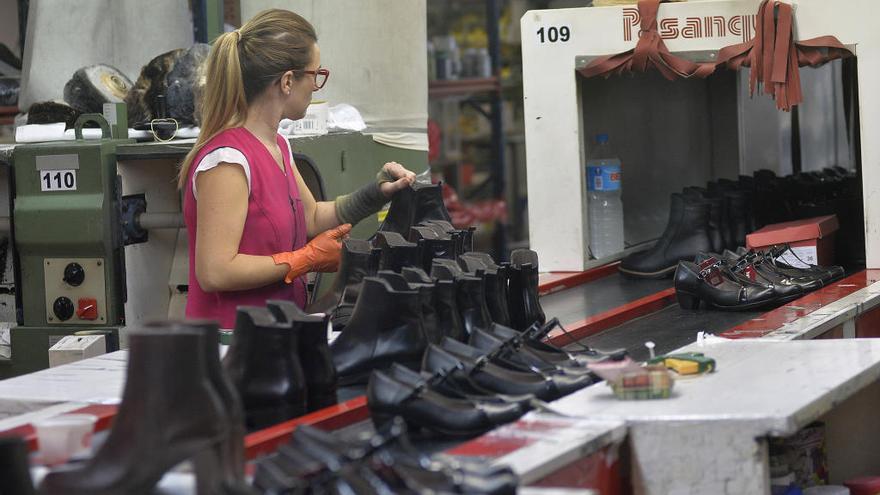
x,y
321,76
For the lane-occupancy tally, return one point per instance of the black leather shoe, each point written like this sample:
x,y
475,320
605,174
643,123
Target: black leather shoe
x,y
710,283
510,381
441,383
313,352
421,407
385,327
827,274
358,260
686,234
756,267
513,354
743,271
496,280
536,334
397,252
263,363
522,296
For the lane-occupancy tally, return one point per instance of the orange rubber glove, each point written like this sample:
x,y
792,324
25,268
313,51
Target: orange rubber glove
x,y
321,254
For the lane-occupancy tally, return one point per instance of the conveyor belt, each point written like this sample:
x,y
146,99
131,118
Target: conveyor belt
x,y
669,329
577,303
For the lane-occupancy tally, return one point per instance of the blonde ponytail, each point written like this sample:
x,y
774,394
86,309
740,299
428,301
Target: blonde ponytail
x,y
243,63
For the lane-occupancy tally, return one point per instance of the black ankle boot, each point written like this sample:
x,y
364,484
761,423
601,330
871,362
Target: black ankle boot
x,y
263,362
686,235
449,319
470,296
496,281
413,205
234,473
421,407
522,297
168,414
432,245
358,260
738,213
431,305
385,327
426,295
397,252
15,474
313,352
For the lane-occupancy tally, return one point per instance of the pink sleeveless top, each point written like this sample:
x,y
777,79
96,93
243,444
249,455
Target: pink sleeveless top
x,y
275,223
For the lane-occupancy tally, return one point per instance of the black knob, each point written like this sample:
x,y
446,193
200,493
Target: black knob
x,y
74,274
63,308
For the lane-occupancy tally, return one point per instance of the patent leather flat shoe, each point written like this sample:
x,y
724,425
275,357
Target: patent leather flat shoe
x,y
744,271
695,284
422,407
441,383
558,384
514,354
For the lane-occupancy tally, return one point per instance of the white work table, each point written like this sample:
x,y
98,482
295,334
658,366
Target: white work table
x,y
710,436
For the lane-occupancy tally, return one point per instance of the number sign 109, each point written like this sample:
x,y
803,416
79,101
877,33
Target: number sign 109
x,y
554,34
58,180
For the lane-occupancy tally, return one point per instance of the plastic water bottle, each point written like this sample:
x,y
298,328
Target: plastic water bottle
x,y
604,205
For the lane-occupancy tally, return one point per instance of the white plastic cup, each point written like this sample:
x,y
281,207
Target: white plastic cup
x,y
61,437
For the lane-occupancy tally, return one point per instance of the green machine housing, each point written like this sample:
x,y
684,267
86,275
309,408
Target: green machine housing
x,y
68,243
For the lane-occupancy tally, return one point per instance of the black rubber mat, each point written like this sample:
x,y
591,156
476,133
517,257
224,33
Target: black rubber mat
x,y
606,293
669,329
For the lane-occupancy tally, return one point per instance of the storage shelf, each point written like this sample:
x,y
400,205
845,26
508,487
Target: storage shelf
x,y
462,87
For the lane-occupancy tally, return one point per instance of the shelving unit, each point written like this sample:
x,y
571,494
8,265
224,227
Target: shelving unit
x,y
489,91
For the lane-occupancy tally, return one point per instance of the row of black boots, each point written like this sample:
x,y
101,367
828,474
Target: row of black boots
x,y
319,462
747,279
722,214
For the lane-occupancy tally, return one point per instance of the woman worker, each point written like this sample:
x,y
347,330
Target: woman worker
x,y
249,215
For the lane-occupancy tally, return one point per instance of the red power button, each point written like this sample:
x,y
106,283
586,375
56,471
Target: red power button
x,y
87,308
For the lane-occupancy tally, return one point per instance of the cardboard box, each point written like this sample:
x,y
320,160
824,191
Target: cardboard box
x,y
811,240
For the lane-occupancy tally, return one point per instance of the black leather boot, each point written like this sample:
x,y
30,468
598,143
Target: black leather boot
x,y
263,362
15,474
431,302
470,296
397,252
717,212
386,327
313,352
522,297
168,414
686,235
738,213
358,260
432,245
496,281
449,319
413,205
421,407
426,295
225,389
710,284
464,237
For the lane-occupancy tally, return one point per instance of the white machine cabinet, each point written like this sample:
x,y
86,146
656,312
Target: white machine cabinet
x,y
694,129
